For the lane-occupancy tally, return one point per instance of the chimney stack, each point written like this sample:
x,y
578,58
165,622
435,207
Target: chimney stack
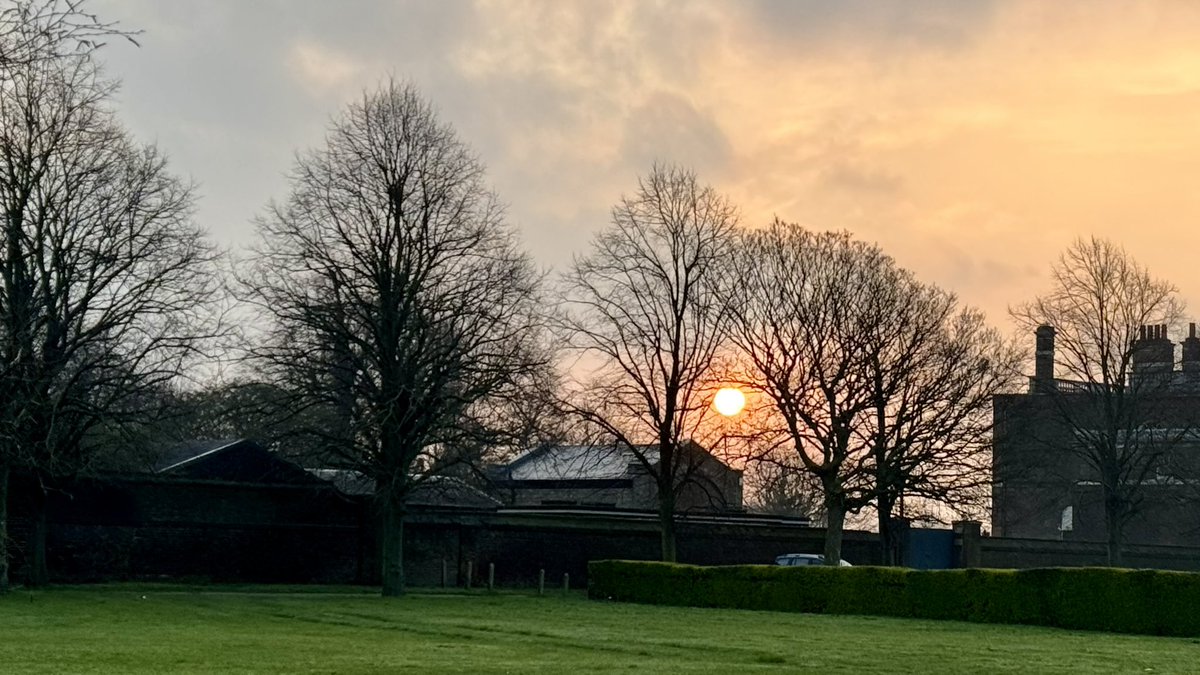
x,y
1191,351
1153,351
1043,373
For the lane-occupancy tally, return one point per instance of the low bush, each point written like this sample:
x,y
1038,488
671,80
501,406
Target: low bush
x,y
1126,601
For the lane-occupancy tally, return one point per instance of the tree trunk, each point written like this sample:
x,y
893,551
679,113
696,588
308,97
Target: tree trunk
x,y
666,525
393,547
3,529
1113,526
39,573
835,514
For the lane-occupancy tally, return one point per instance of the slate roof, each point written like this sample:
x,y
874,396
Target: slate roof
x,y
576,462
586,462
238,461
432,491
190,451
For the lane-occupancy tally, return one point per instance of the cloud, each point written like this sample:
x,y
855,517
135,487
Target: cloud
x,y
815,26
319,69
862,179
972,138
667,127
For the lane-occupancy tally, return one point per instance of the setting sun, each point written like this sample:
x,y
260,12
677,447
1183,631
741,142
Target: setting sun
x,y
729,401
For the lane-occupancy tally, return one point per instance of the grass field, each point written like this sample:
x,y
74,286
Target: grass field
x,y
151,629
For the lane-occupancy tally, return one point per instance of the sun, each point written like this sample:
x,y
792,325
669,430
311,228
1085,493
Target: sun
x,y
729,401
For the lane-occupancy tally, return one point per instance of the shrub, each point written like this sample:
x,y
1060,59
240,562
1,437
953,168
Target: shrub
x,y
1126,601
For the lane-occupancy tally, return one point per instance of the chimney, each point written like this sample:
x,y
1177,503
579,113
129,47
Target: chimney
x,y
1043,372
1191,351
1153,351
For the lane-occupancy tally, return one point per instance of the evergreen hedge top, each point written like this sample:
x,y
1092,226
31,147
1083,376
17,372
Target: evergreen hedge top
x,y
1126,601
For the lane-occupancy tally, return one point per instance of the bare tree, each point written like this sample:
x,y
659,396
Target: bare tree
x,y
397,299
778,484
804,307
646,314
103,277
228,409
33,31
1119,422
934,368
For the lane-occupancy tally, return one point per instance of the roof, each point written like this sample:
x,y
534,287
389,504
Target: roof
x,y
240,461
431,491
576,462
190,451
590,462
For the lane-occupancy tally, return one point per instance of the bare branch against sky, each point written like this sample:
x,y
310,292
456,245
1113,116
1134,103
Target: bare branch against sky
x,y
396,297
105,279
971,140
860,156
645,306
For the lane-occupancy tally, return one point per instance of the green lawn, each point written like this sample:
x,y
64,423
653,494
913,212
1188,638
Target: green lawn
x,y
130,629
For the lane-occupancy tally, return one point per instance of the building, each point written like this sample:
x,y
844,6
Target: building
x,y
235,460
612,476
1044,488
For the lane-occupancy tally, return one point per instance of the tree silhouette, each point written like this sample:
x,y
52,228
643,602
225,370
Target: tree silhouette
x,y
645,311
397,300
1117,421
105,282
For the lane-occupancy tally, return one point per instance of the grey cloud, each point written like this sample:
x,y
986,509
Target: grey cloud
x,y
214,85
882,24
666,127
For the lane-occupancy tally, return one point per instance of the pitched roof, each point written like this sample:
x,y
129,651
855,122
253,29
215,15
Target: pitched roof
x,y
190,451
577,462
240,461
432,491
591,462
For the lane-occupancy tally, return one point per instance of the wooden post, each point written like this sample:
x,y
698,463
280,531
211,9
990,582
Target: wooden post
x,y
566,582
445,573
542,581
491,576
470,564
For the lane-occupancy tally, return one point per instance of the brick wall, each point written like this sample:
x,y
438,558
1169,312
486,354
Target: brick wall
x,y
1024,553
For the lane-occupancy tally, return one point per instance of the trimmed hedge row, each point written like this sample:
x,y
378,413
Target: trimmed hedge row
x,y
1090,598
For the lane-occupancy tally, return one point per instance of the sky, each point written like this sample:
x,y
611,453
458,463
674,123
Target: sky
x,y
972,140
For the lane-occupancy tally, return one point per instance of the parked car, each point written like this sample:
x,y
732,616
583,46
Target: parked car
x,y
801,559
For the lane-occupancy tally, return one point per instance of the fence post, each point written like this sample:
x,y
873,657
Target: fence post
x,y
470,564
566,582
491,576
445,573
542,581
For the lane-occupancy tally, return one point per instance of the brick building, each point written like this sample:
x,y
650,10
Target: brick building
x,y
1044,487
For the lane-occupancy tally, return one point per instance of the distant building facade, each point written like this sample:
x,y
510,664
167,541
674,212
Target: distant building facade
x,y
611,476
1044,489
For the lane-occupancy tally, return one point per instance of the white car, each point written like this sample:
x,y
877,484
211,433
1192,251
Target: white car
x,y
802,559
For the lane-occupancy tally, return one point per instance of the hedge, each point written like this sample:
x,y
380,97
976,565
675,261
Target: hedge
x,y
1089,598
